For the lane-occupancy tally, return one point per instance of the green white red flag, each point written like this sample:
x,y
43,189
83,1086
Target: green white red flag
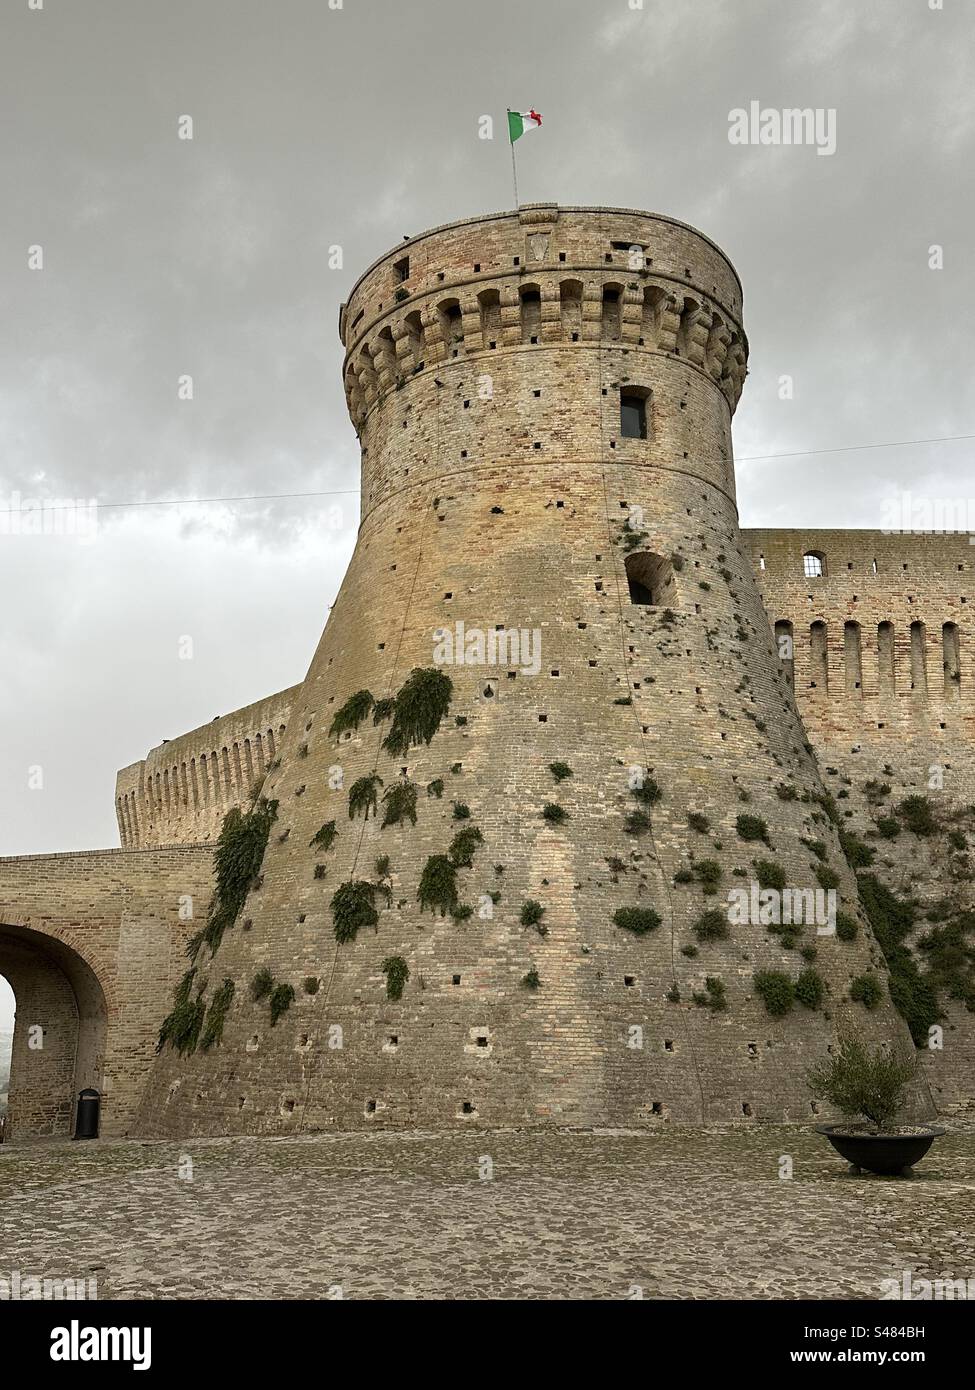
x,y
521,122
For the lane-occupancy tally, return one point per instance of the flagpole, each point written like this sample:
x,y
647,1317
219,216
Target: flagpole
x,y
514,166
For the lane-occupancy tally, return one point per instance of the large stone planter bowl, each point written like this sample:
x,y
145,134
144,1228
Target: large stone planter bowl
x,y
881,1153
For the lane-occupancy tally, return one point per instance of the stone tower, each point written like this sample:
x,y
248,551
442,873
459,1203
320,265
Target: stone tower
x,y
544,402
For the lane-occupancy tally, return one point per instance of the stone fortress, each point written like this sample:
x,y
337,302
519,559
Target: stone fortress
x,y
493,891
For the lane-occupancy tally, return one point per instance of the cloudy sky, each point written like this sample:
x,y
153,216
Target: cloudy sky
x,y
316,126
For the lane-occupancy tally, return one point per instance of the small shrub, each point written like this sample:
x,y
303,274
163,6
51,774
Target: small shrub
x,y
638,920
684,876
560,771
917,815
554,813
397,973
826,877
769,874
320,871
532,913
261,985
648,792
889,827
858,855
712,926
752,828
698,822
847,927
810,988
311,984
435,788
785,792
708,874
866,990
776,991
713,997
461,912
818,848
636,823
957,841
531,980
859,1081
461,810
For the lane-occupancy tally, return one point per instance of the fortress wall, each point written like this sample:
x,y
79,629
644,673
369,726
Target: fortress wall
x,y
180,792
886,689
676,678
93,944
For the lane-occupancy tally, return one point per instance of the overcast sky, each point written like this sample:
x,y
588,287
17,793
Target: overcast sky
x,y
315,127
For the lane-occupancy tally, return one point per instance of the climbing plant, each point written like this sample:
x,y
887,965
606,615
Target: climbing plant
x,y
353,907
282,997
463,845
397,973
638,920
420,705
324,839
237,863
363,795
399,803
181,1026
216,1015
438,885
352,713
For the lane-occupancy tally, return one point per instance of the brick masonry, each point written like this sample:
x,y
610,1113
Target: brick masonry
x,y
485,363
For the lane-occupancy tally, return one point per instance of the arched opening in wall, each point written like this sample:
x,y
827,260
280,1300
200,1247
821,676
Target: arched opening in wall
x,y
885,658
451,326
650,578
531,313
489,304
688,318
951,648
570,305
785,645
818,658
853,658
814,564
654,299
612,318
919,659
384,353
58,1042
8,1010
415,337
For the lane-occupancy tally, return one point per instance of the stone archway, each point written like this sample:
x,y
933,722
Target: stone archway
x,y
59,1031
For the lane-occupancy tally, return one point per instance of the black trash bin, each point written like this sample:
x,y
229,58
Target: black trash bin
x,y
86,1122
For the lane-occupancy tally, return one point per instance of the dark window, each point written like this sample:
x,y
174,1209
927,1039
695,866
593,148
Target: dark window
x,y
639,593
401,269
633,417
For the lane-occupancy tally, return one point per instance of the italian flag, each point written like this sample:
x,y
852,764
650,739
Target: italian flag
x,y
520,122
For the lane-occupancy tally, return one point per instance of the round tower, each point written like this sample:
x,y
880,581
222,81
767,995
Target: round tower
x,y
549,532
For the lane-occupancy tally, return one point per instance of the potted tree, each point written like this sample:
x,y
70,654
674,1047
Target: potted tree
x,y
871,1085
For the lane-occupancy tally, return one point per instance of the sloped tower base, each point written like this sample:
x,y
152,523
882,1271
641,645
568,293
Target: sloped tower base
x,y
492,368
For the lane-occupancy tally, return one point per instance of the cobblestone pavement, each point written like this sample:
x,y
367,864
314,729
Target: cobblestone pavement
x,y
680,1213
